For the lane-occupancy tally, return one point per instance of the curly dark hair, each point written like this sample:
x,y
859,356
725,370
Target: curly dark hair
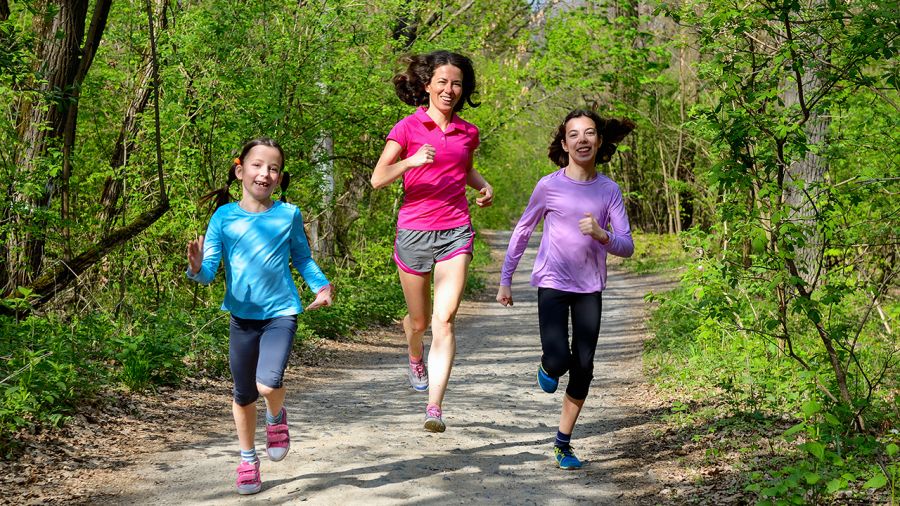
x,y
222,196
410,84
611,132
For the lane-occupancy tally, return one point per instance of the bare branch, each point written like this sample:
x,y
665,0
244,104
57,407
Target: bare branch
x,y
451,19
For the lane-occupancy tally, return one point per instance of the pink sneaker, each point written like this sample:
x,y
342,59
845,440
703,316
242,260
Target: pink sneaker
x,y
433,420
278,440
248,481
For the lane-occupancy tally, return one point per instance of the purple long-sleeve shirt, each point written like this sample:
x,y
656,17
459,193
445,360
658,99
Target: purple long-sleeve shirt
x,y
567,259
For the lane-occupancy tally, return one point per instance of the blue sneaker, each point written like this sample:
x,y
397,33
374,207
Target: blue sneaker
x,y
565,458
548,383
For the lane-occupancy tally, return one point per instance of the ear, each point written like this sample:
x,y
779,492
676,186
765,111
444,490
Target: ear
x,y
239,172
564,146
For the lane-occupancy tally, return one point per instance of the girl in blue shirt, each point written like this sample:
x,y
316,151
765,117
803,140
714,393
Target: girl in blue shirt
x,y
258,239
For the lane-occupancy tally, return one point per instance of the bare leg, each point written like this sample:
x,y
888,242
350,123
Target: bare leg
x,y
417,292
449,282
245,422
274,398
571,408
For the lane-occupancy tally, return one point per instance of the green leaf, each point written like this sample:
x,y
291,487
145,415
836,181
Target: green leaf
x,y
812,478
795,429
835,485
877,481
891,449
814,448
810,408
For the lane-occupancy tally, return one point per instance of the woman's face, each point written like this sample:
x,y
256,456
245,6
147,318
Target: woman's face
x,y
445,88
581,141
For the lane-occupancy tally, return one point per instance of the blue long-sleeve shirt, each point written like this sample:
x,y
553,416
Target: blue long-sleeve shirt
x,y
258,250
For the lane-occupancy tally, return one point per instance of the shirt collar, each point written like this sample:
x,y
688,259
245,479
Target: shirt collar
x,y
422,115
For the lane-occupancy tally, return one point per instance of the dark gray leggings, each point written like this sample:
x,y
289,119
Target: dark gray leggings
x,y
554,307
259,351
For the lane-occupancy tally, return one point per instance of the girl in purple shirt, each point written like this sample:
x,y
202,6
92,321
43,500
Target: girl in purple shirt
x,y
578,206
431,150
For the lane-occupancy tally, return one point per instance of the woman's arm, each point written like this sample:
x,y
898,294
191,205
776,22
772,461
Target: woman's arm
x,y
477,181
388,169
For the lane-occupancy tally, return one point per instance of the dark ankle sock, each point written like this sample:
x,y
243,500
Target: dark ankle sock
x,y
562,440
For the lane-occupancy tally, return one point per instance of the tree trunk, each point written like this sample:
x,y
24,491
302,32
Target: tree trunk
x,y
803,176
42,127
114,185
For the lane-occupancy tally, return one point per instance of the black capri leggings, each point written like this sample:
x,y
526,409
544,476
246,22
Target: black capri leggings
x,y
554,307
258,353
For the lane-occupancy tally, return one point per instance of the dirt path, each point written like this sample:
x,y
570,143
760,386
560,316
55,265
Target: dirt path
x,y
357,429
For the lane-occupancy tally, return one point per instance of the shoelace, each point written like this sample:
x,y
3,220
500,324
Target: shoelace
x,y
567,451
433,411
418,368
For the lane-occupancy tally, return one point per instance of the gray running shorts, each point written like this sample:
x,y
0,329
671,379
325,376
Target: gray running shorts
x,y
416,251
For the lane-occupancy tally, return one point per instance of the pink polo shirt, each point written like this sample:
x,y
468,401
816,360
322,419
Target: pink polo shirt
x,y
434,195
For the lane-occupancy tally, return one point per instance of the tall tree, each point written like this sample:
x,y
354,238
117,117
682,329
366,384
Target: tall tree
x,y
64,54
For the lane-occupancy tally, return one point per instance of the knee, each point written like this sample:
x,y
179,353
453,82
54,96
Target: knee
x,y
244,398
555,365
266,390
417,325
443,322
579,383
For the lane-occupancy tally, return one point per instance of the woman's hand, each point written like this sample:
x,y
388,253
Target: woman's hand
x,y
423,156
195,254
323,298
487,196
504,295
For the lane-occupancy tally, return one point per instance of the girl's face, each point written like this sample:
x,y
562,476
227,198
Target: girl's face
x,y
581,141
445,88
260,172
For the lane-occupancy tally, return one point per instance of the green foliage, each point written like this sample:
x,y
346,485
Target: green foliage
x,y
655,253
46,368
759,329
367,293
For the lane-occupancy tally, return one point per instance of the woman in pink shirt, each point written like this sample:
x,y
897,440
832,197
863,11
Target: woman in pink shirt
x,y
578,206
431,150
